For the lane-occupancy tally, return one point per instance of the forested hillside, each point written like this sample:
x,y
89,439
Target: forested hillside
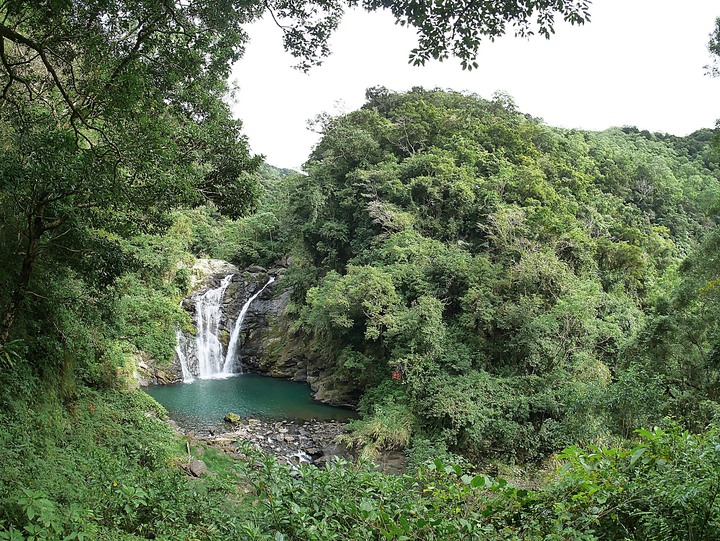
x,y
501,297
520,281
499,292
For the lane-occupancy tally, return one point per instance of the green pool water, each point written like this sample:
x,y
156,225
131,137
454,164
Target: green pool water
x,y
202,404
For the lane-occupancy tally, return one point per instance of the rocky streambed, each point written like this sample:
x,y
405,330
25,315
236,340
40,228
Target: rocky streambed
x,y
292,442
313,442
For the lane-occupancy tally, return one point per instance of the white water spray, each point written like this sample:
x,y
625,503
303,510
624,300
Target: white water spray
x,y
212,360
229,363
208,348
180,351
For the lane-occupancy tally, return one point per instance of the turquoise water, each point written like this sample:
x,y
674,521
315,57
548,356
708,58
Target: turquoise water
x,y
202,404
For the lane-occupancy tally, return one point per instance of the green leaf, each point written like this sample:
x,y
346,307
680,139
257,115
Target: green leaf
x,y
640,451
479,481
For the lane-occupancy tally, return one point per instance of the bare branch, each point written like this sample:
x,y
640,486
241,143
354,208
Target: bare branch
x,y
143,34
17,38
272,14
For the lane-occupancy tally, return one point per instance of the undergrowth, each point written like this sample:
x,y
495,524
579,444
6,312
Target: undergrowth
x,y
100,464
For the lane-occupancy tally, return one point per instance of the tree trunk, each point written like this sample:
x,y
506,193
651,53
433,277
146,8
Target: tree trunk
x,y
37,227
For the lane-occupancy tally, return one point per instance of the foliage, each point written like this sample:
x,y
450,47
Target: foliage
x,y
714,48
502,268
108,471
494,288
663,487
115,474
678,345
456,27
112,115
262,237
451,28
113,112
388,427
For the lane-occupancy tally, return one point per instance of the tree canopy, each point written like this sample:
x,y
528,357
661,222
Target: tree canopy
x,y
112,113
122,104
491,286
714,48
504,267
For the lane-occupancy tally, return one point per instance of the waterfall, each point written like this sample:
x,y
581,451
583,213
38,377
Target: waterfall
x,y
205,356
181,352
209,349
228,365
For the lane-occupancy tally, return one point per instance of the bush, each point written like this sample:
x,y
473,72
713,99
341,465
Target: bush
x,y
389,427
665,488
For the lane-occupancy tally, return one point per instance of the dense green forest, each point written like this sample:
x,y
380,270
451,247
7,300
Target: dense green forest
x,y
521,278
503,298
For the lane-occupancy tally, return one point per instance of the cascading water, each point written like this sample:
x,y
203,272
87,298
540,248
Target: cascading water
x,y
229,363
212,360
208,348
180,351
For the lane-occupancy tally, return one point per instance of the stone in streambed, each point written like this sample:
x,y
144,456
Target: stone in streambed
x,y
232,418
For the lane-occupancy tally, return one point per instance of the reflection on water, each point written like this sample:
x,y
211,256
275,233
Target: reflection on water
x,y
202,404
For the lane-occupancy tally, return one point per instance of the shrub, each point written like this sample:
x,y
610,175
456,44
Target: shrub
x,y
389,427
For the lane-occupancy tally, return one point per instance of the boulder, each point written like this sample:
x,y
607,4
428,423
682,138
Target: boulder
x,y
147,372
232,418
197,468
391,462
206,271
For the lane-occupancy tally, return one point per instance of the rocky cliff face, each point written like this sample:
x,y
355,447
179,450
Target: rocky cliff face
x,y
147,372
271,348
238,286
267,345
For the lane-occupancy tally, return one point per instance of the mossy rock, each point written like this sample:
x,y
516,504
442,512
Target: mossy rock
x,y
233,418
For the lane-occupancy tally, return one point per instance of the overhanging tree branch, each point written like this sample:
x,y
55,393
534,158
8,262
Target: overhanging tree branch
x,y
38,48
12,76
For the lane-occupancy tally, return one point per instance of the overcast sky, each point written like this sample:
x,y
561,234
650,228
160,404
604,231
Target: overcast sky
x,y
638,62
